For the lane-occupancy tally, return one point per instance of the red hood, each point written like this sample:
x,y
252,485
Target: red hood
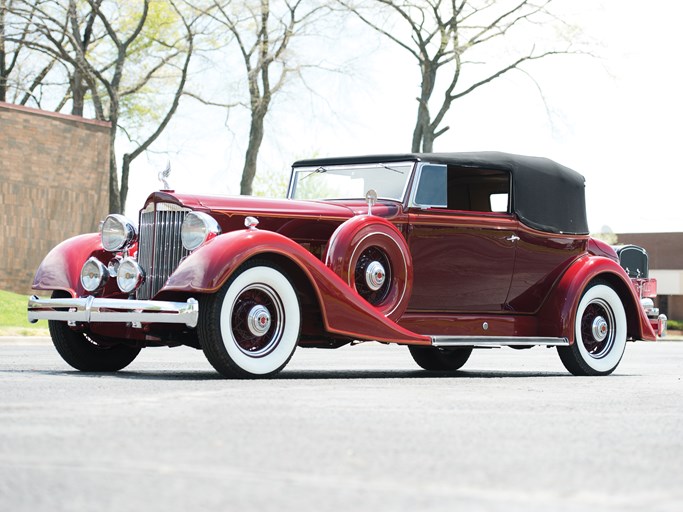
x,y
262,207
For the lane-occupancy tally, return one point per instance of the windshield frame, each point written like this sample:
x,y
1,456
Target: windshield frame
x,y
309,170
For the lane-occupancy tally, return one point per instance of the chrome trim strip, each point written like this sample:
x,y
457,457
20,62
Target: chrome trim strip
x,y
90,309
496,341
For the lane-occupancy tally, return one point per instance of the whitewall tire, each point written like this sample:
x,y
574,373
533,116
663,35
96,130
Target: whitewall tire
x,y
600,333
250,328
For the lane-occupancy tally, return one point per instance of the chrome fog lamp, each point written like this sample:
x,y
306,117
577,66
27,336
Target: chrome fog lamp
x,y
130,275
197,228
94,274
117,233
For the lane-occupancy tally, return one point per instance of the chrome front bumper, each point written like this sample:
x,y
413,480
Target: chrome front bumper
x,y
136,312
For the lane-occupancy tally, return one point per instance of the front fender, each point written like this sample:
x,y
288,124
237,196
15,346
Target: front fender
x,y
61,268
558,314
344,312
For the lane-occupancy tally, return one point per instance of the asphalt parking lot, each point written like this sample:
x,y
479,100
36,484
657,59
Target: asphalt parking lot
x,y
359,428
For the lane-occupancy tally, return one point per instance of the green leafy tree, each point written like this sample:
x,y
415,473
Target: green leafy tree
x,y
127,63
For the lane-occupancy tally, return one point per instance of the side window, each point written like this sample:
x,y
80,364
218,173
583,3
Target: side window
x,y
463,188
432,191
478,190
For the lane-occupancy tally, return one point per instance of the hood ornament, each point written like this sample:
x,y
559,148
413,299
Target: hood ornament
x,y
165,174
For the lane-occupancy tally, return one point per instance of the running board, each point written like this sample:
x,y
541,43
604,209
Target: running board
x,y
496,341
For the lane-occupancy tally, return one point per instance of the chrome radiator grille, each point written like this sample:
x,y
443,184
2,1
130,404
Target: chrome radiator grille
x,y
160,248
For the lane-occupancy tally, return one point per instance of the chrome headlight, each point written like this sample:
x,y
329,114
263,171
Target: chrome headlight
x,y
117,233
93,274
197,228
130,275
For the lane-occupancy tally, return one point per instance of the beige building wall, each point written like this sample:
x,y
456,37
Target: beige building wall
x,y
53,185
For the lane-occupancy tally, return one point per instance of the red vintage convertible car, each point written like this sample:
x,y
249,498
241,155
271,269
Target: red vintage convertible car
x,y
442,253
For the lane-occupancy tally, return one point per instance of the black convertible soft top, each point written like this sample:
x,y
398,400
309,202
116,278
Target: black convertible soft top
x,y
545,195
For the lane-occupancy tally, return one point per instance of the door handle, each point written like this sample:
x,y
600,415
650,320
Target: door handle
x,y
512,238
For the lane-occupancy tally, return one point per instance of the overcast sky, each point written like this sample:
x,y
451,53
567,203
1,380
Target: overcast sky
x,y
616,119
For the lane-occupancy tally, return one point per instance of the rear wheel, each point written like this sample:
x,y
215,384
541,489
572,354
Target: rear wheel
x,y
250,328
599,333
84,353
440,359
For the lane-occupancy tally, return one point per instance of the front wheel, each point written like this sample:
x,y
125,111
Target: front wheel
x,y
250,328
440,359
599,333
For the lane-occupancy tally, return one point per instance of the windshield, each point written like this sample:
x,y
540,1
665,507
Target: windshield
x,y
351,181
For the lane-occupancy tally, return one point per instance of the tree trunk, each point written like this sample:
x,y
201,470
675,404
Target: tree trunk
x,y
125,171
428,140
3,56
77,94
423,134
115,205
421,128
114,198
251,157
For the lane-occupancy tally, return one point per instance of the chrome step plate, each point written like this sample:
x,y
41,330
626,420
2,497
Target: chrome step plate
x,y
496,341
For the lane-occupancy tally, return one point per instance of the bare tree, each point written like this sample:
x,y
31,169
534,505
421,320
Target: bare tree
x,y
444,37
263,32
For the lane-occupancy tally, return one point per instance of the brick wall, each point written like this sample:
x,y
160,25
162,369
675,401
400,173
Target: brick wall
x,y
53,185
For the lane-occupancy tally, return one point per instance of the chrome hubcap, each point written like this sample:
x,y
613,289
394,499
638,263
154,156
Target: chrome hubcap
x,y
600,328
375,275
258,320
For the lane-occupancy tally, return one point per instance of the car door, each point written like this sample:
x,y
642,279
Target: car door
x,y
540,260
463,253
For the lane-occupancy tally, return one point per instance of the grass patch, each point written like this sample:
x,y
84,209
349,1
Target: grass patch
x,y
675,325
13,321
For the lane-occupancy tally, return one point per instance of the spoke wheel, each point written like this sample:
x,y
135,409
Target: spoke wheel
x,y
372,276
599,333
257,320
598,328
250,328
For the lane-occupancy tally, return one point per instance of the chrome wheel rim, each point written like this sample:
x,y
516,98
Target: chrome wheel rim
x,y
372,275
598,328
257,320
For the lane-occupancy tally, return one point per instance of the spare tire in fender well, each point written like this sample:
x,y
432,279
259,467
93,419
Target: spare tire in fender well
x,y
372,257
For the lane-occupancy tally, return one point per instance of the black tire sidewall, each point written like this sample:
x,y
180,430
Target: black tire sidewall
x,y
83,354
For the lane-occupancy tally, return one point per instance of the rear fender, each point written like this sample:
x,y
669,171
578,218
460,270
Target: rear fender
x,y
558,314
344,312
61,268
